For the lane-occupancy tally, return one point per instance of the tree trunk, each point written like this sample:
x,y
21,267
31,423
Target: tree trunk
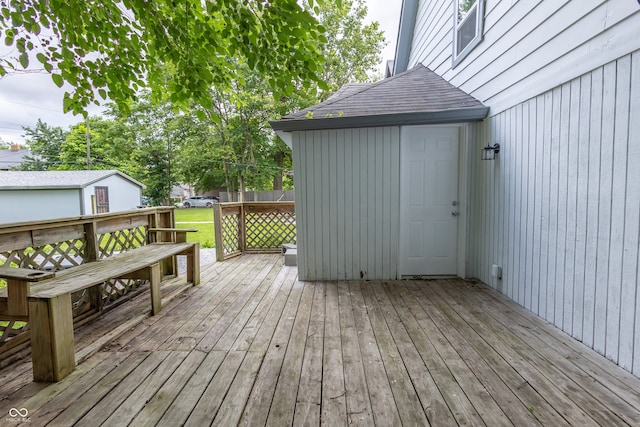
x,y
241,189
277,177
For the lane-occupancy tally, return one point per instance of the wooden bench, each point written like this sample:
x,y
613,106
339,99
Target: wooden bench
x,y
48,294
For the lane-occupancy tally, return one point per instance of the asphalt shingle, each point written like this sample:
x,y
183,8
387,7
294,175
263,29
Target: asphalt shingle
x,y
415,96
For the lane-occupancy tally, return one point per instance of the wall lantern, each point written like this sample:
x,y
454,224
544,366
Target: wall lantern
x,y
489,152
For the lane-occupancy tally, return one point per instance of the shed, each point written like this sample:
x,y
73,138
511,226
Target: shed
x,y
377,189
39,195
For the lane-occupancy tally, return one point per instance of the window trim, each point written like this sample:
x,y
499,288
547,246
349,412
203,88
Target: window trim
x,y
457,58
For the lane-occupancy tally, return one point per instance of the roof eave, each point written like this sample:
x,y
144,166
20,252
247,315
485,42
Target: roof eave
x,y
408,15
462,115
41,187
112,173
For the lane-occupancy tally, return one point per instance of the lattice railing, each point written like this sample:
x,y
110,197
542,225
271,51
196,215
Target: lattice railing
x,y
230,234
253,227
121,240
56,256
269,230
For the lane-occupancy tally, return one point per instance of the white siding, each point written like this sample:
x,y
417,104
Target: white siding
x,y
123,194
529,47
35,205
346,184
560,209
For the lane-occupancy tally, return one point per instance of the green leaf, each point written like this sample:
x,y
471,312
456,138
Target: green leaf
x,y
42,58
8,38
67,103
57,79
24,60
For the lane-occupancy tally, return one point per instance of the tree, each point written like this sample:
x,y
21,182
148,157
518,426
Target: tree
x,y
352,53
157,134
178,48
243,145
241,132
353,50
45,143
111,146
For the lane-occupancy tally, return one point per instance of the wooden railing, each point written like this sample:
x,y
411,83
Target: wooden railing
x,y
253,227
64,243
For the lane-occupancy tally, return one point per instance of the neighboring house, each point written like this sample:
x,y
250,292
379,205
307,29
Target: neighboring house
x,y
12,157
553,222
31,196
181,191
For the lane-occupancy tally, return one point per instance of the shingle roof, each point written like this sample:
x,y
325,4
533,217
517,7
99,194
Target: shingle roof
x,y
10,180
417,96
10,158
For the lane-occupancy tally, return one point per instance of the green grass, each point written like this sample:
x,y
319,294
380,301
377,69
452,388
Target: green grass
x,y
200,219
194,215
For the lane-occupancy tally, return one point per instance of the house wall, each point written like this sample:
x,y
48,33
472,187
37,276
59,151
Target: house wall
x,y
529,47
559,210
33,205
346,190
123,194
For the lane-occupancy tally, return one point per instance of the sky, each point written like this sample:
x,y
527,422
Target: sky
x,y
25,98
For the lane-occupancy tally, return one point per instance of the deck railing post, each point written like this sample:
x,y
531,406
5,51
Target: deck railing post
x,y
217,225
242,229
92,251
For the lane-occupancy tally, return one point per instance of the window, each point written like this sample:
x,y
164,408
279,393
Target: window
x,y
102,199
467,28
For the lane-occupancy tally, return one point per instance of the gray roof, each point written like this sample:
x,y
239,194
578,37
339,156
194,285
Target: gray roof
x,y
14,180
417,96
10,158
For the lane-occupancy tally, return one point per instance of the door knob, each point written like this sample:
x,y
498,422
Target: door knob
x,y
454,213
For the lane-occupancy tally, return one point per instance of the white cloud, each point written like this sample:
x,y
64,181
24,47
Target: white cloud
x,y
25,98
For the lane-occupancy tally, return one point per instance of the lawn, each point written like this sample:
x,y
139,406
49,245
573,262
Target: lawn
x,y
200,219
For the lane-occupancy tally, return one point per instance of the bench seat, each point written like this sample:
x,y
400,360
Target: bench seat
x,y
49,301
116,266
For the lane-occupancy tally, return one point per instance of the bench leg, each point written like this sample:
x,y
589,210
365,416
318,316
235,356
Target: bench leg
x,y
155,277
193,265
17,294
52,349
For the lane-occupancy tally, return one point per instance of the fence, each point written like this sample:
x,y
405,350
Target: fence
x,y
253,227
260,196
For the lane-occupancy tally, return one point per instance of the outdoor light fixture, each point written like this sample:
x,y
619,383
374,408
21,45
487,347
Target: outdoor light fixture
x,y
489,152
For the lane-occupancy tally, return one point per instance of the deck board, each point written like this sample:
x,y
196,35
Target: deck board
x,y
252,345
606,409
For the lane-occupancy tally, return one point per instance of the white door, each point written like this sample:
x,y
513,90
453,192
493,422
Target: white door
x,y
428,201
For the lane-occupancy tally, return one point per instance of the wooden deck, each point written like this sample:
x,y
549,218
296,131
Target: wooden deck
x,y
253,346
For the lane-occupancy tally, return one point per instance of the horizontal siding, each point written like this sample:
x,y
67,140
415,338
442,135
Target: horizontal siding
x,y
528,47
36,205
560,209
433,29
347,199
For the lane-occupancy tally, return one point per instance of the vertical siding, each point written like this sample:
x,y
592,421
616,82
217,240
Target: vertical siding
x,y
560,209
347,194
